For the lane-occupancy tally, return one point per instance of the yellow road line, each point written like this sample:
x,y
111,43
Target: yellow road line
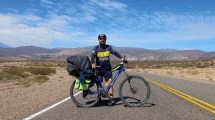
x,y
193,100
210,105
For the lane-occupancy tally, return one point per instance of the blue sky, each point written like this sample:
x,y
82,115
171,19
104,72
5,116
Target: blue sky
x,y
151,24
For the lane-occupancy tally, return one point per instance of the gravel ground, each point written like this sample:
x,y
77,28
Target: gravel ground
x,y
16,100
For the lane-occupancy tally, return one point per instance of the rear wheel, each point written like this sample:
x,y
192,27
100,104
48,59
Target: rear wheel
x,y
84,98
134,91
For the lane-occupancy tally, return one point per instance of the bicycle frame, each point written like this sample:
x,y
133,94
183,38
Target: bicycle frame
x,y
100,79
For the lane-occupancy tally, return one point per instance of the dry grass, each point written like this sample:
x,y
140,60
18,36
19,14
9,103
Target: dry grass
x,y
14,72
30,81
25,75
41,79
200,74
41,70
202,70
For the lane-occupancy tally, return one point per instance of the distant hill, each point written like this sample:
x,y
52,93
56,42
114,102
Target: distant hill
x,y
2,45
25,50
130,52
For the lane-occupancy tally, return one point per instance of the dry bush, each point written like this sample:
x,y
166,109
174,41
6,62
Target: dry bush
x,y
169,72
48,63
5,76
27,82
136,67
41,70
15,71
163,64
209,77
25,76
41,79
24,82
193,71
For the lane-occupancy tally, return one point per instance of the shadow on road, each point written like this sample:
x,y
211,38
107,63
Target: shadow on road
x,y
105,102
118,102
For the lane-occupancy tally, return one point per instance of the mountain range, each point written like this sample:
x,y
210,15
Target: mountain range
x,y
130,52
4,46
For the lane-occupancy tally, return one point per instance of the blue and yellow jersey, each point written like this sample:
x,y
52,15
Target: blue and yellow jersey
x,y
102,56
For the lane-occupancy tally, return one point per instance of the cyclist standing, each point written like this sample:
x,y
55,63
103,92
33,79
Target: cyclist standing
x,y
101,57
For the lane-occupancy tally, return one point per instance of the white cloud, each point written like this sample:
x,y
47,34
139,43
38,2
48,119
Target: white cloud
x,y
59,23
109,5
47,3
12,10
162,27
15,30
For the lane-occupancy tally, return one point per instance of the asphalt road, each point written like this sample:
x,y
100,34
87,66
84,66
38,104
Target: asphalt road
x,y
162,105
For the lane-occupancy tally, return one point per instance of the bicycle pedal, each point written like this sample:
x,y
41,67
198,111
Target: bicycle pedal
x,y
104,94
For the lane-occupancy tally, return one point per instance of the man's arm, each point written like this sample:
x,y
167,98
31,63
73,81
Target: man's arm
x,y
112,51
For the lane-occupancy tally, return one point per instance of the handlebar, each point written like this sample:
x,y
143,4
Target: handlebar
x,y
124,61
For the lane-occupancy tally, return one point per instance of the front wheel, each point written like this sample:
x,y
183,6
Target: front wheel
x,y
84,98
134,91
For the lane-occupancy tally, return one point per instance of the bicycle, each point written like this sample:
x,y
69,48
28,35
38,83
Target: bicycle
x,y
93,95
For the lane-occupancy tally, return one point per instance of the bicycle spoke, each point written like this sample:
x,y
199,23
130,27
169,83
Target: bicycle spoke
x,y
134,91
84,98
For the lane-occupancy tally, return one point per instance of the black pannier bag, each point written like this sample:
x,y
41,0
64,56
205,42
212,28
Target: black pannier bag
x,y
80,67
76,64
72,70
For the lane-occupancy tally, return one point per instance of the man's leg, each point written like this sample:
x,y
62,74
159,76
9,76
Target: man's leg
x,y
111,89
112,102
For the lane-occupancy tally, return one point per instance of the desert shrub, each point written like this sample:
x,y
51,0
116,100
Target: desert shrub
x,y
209,77
6,76
136,67
198,65
206,64
211,63
41,70
157,66
178,64
25,83
192,71
169,72
15,71
201,64
41,79
29,81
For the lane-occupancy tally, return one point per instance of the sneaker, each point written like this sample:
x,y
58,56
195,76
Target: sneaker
x,y
111,102
86,92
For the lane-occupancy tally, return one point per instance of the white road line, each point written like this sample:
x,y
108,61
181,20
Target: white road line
x,y
48,108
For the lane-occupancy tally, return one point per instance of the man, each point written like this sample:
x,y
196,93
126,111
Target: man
x,y
101,57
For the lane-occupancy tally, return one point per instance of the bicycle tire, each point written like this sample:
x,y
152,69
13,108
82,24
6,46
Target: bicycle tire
x,y
77,97
131,83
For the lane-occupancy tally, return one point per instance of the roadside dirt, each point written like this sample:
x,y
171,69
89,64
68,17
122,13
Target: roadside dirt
x,y
196,74
16,99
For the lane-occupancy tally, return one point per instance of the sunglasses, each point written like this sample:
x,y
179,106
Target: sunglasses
x,y
102,39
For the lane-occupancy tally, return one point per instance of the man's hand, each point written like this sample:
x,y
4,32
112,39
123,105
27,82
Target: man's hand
x,y
123,60
93,65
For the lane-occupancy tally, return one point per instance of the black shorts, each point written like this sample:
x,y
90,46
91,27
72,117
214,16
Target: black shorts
x,y
107,73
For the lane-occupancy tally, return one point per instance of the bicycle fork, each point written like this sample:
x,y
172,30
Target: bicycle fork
x,y
132,89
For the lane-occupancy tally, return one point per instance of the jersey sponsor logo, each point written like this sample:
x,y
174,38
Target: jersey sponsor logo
x,y
103,54
103,58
